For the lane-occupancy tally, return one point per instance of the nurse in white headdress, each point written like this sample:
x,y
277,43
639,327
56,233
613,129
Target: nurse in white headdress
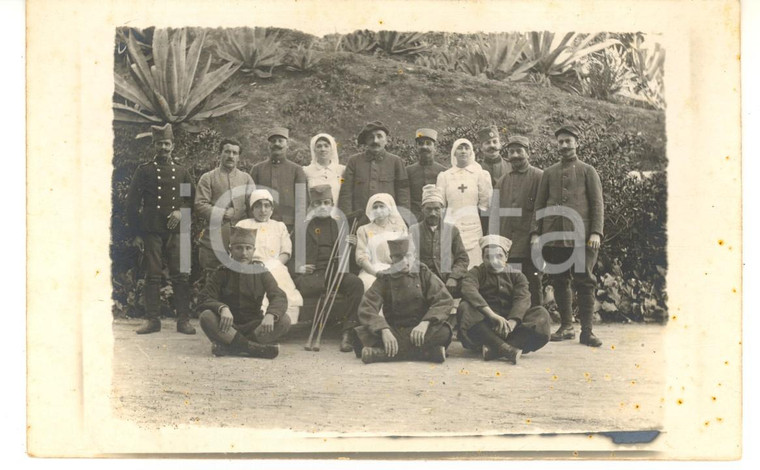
x,y
324,167
372,253
273,248
466,190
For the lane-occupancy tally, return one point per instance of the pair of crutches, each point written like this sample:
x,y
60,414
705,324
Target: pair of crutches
x,y
334,276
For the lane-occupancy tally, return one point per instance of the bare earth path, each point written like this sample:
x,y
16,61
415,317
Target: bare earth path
x,y
167,379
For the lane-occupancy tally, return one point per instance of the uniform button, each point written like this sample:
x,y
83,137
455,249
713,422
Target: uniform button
x,y
159,197
172,168
159,187
174,188
172,177
158,207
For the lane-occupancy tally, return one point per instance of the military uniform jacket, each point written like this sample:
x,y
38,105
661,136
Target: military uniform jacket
x,y
281,176
420,175
407,298
242,293
497,169
429,244
211,186
506,293
366,175
518,190
574,184
154,193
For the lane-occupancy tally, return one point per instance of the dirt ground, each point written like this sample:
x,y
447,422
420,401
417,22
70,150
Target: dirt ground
x,y
168,379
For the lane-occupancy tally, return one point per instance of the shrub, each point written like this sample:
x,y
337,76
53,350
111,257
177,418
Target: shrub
x,y
172,89
606,74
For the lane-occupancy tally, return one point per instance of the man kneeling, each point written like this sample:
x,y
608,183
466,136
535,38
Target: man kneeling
x,y
495,312
231,305
415,307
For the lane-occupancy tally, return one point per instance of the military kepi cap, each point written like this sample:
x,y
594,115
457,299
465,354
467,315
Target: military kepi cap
x,y
568,129
162,132
371,127
431,134
278,131
519,140
320,192
495,240
399,246
488,133
242,236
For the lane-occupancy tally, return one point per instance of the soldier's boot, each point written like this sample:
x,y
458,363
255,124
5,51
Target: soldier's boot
x,y
219,350
151,323
370,355
241,346
182,305
347,341
436,354
586,313
564,299
510,353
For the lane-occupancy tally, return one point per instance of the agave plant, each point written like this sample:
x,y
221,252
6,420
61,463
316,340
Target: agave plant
x,y
173,89
303,59
358,42
607,74
256,50
402,44
648,69
556,58
497,56
439,60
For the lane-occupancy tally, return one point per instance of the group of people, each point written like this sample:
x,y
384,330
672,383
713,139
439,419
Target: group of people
x,y
422,244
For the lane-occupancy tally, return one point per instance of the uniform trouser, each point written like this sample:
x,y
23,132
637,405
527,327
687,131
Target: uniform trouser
x,y
252,330
437,335
534,276
156,247
583,281
531,334
313,285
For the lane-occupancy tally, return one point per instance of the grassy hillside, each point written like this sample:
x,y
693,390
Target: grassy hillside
x,y
346,90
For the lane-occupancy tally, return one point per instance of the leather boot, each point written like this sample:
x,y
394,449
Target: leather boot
x,y
564,299
435,354
370,355
151,323
182,306
586,312
510,353
243,347
347,341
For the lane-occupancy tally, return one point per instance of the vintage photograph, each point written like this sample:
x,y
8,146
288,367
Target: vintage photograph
x,y
390,232
384,229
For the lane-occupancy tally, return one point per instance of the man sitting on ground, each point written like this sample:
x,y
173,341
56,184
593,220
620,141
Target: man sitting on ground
x,y
415,306
495,314
231,304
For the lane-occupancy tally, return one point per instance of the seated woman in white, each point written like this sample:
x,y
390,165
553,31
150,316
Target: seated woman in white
x,y
273,247
466,189
324,167
372,253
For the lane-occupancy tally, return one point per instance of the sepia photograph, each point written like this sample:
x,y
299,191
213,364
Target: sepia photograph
x,y
363,229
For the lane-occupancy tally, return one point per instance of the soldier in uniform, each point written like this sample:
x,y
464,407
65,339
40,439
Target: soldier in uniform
x,y
230,305
282,175
573,184
495,315
158,190
518,190
489,144
371,172
415,306
321,235
211,187
426,170
439,244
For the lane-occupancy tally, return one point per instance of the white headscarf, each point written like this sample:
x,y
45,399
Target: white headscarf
x,y
471,161
258,195
334,162
386,199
